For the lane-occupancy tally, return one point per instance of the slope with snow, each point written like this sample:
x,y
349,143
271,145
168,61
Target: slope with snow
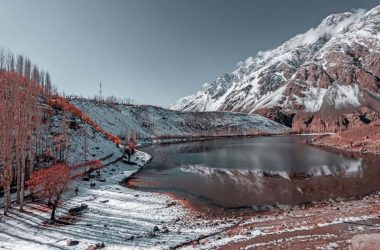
x,y
150,121
339,57
98,145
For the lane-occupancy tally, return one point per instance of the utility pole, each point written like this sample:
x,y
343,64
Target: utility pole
x,y
100,91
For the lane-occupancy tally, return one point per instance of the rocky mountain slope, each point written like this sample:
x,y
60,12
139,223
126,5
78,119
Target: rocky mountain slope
x,y
325,79
153,122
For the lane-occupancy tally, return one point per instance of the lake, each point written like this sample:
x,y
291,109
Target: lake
x,y
255,173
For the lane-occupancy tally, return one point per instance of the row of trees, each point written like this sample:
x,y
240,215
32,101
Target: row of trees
x,y
22,85
23,67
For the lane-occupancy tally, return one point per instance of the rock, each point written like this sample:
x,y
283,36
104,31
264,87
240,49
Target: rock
x,y
203,242
365,242
104,201
156,229
78,209
165,230
100,245
171,203
136,195
151,234
102,180
72,242
85,179
130,238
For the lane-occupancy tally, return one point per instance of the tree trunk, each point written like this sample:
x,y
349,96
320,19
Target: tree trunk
x,y
18,176
30,162
54,207
7,197
22,182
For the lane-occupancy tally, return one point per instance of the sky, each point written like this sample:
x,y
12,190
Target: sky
x,y
153,51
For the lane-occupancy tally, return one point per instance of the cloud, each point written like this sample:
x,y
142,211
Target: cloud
x,y
264,54
329,26
259,56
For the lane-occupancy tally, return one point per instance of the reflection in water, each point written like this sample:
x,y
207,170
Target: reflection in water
x,y
255,172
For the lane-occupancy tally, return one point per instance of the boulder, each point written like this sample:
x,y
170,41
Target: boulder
x,y
77,210
72,242
130,238
366,241
165,230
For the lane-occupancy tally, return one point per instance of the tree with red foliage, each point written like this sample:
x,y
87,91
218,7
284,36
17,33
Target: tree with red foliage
x,y
130,145
50,183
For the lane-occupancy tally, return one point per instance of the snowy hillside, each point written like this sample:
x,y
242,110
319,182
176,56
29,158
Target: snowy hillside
x,y
339,58
98,146
150,121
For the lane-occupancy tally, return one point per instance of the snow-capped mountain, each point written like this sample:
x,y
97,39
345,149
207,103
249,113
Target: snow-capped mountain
x,y
335,65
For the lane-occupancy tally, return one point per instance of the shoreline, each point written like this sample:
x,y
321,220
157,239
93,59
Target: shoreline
x,y
360,214
175,140
364,140
250,212
125,218
119,217
345,149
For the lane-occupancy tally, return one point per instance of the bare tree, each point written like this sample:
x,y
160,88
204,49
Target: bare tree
x,y
19,122
20,65
48,86
7,120
2,60
27,68
35,74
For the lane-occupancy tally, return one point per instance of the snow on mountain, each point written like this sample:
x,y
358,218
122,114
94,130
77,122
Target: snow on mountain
x,y
340,57
150,121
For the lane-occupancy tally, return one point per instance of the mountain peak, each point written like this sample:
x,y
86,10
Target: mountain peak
x,y
341,53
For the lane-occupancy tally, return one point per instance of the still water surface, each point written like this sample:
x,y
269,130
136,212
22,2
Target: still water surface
x,y
255,173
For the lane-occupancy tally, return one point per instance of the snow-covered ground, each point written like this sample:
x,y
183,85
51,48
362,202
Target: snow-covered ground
x,y
98,145
117,216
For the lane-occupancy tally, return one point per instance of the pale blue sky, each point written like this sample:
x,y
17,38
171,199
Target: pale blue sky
x,y
154,51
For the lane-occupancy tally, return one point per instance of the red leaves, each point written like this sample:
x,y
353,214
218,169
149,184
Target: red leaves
x,y
50,182
58,101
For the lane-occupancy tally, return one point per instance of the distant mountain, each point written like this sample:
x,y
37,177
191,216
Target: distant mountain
x,y
326,78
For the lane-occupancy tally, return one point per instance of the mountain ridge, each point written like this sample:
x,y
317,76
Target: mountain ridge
x,y
340,57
